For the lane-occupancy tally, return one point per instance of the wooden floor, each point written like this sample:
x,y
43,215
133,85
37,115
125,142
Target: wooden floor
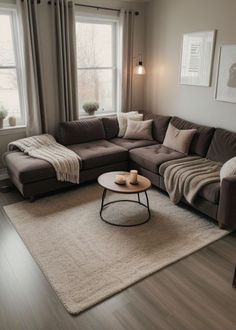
x,y
194,293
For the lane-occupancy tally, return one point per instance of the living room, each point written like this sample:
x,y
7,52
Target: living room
x,y
118,164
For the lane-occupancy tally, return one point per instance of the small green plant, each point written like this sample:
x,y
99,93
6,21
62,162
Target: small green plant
x,y
3,112
90,107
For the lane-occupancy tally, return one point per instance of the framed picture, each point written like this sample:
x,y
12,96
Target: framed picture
x,y
197,55
226,81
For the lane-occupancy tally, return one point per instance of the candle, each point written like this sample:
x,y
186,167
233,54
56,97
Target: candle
x,y
120,179
133,177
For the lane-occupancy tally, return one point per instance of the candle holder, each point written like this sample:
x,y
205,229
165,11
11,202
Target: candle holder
x,y
133,177
120,179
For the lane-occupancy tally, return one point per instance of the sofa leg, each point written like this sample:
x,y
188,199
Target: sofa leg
x,y
222,226
32,199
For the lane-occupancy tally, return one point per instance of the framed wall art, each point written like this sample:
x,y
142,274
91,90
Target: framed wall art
x,y
197,55
226,80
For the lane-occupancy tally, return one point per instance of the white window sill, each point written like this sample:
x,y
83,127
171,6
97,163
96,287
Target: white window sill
x,y
98,115
12,130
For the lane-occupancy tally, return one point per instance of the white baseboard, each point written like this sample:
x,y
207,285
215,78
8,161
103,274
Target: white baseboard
x,y
3,174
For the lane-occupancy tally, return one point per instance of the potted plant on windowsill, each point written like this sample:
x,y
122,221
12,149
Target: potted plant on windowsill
x,y
90,107
3,115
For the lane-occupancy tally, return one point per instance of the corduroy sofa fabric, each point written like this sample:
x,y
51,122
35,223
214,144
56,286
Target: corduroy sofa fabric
x,y
223,146
74,132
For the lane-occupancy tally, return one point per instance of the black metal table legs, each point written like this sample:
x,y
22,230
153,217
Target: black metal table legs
x,y
103,205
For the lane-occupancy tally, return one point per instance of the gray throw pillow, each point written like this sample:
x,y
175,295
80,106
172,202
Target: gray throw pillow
x,y
139,130
179,139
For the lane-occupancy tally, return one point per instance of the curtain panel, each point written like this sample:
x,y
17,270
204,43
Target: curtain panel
x,y
35,95
63,17
126,56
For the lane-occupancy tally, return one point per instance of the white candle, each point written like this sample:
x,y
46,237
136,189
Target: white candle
x,y
120,179
133,176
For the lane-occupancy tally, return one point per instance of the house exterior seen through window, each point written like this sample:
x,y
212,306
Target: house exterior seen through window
x,y
11,86
97,63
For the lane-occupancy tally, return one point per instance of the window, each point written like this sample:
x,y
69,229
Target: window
x,y
11,93
97,63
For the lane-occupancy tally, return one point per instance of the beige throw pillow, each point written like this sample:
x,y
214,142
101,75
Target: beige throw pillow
x,y
139,130
123,119
228,169
179,139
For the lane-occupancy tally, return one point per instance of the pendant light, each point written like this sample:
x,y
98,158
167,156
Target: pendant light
x,y
139,68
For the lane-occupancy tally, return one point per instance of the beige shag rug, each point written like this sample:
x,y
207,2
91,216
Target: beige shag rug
x,y
87,260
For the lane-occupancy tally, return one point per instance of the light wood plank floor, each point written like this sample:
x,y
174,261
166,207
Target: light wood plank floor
x,y
194,293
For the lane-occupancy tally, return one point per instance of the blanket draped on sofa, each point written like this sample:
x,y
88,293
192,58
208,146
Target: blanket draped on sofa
x,y
65,162
186,176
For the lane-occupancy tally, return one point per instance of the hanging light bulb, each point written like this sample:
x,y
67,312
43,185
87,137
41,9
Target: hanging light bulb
x,y
140,69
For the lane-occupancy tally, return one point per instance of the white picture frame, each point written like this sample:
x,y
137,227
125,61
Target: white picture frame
x,y
226,78
196,59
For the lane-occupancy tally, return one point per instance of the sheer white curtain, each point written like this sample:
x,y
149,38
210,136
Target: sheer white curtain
x,y
126,59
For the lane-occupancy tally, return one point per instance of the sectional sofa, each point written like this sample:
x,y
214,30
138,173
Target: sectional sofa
x,y
100,150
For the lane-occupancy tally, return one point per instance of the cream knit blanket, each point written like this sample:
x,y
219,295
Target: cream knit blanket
x,y
65,162
186,176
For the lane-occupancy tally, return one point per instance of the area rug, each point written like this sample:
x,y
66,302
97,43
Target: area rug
x,y
86,260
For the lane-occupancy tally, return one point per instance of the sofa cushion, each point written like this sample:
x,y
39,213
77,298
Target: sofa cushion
x,y
131,144
201,139
159,126
99,153
139,130
152,157
123,120
211,192
228,169
179,139
27,169
111,127
223,146
84,130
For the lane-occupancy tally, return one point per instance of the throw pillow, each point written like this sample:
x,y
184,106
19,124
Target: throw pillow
x,y
123,118
139,130
179,139
228,169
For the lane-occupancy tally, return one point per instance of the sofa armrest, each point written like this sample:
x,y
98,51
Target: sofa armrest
x,y
227,206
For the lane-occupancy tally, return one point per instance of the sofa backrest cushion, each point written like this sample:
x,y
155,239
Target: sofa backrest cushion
x,y
223,146
111,127
81,131
179,139
201,139
159,126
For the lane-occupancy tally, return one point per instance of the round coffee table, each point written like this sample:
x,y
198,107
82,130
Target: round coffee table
x,y
106,180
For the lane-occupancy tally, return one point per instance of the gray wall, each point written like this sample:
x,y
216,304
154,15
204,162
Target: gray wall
x,y
49,64
167,20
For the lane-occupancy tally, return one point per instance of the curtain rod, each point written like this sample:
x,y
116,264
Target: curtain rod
x,y
97,7
32,1
104,8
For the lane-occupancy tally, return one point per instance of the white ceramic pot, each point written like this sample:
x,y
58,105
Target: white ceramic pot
x,y
12,121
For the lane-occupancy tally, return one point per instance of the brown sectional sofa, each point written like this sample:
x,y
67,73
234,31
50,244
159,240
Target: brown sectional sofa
x,y
100,150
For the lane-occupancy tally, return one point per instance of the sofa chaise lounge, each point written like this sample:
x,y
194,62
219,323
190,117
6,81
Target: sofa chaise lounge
x,y
95,141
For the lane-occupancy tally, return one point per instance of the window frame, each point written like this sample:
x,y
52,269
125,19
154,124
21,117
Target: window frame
x,y
113,21
11,10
